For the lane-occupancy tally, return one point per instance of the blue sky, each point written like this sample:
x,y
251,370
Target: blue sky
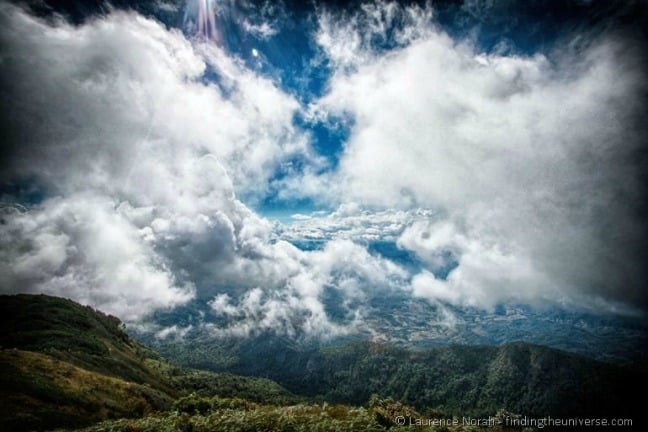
x,y
295,168
287,53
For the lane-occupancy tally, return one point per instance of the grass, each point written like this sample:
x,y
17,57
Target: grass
x,y
67,365
41,392
237,415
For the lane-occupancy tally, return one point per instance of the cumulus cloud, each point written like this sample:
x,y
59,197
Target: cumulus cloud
x,y
294,286
83,247
532,158
128,88
130,152
137,160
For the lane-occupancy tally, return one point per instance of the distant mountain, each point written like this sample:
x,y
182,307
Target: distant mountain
x,y
397,319
455,380
66,365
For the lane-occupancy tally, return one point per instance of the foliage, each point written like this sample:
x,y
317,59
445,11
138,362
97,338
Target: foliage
x,y
63,364
41,392
455,380
386,410
232,415
76,334
228,385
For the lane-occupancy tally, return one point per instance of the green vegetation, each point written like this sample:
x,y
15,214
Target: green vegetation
x,y
253,418
41,392
197,414
226,385
76,334
456,380
477,381
68,366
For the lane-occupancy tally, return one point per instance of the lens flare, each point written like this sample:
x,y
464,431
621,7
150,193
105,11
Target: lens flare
x,y
200,18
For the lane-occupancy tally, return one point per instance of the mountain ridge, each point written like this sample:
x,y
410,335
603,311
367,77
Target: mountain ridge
x,y
456,379
67,365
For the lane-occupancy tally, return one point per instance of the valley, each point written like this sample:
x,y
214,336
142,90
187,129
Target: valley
x,y
64,365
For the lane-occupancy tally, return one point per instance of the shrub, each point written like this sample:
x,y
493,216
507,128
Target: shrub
x,y
193,404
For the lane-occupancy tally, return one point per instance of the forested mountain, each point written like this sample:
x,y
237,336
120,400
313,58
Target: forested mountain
x,y
63,364
66,365
457,379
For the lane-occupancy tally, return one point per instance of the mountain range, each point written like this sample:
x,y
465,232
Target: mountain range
x,y
67,365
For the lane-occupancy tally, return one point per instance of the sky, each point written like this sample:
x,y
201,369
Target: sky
x,y
286,165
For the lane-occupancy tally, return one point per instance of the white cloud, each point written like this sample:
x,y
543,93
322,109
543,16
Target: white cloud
x,y
351,41
80,247
173,331
292,286
139,159
352,222
166,6
426,285
528,157
127,90
263,30
143,161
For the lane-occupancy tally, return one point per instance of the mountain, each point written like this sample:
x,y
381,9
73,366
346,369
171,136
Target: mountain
x,y
454,380
67,365
63,364
397,319
79,335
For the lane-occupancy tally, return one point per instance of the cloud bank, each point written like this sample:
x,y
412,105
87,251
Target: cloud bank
x,y
139,161
534,159
131,151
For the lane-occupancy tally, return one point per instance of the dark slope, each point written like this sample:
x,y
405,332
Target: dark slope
x,y
477,380
66,365
63,364
77,334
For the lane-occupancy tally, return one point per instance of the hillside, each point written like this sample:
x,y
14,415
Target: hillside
x,y
66,365
39,392
63,364
477,380
79,335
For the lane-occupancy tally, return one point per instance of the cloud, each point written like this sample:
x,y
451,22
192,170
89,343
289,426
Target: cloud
x,y
126,87
130,152
352,222
137,161
486,273
263,30
84,248
174,332
294,285
350,41
531,158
